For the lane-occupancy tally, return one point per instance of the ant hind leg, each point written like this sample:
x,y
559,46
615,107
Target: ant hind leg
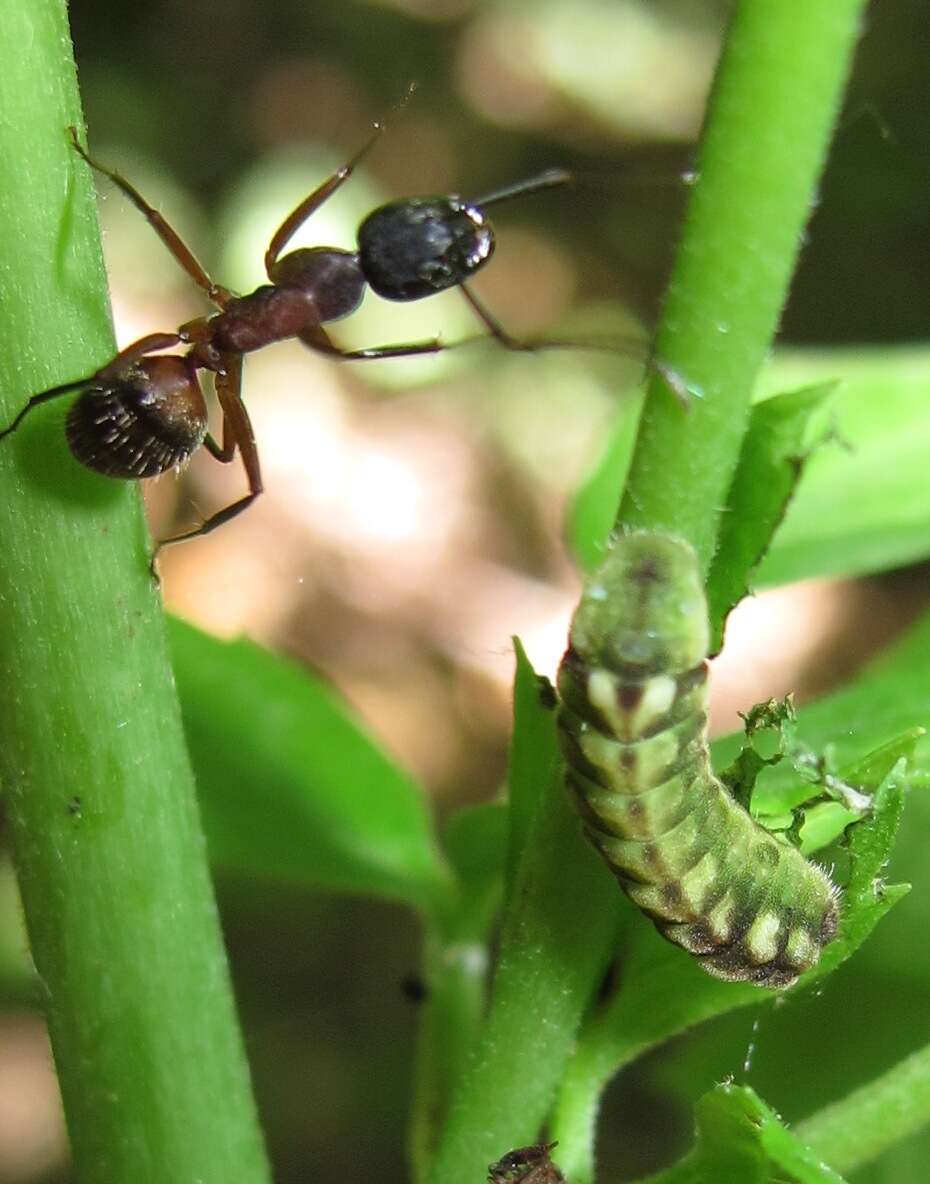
x,y
237,435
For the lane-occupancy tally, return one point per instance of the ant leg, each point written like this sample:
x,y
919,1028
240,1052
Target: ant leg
x,y
44,397
317,338
150,344
237,434
491,323
630,346
314,200
132,353
322,193
168,235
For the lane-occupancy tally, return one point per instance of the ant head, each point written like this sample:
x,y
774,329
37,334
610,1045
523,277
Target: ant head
x,y
423,245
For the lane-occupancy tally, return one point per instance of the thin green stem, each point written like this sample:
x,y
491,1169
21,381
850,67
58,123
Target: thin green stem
x,y
96,781
857,1129
456,968
558,930
776,96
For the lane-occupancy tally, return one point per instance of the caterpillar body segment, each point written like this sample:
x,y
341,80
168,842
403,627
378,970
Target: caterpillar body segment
x,y
633,730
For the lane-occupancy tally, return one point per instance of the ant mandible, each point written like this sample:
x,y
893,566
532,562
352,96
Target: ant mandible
x,y
140,415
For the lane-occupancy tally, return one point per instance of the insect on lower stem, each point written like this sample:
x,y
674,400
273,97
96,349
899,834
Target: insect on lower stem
x,y
144,412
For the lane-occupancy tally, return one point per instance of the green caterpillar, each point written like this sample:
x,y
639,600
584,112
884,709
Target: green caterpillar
x,y
633,729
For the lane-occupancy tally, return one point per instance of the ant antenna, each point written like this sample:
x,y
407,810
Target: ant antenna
x,y
546,180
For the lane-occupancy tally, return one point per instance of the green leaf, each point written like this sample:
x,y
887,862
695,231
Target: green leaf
x,y
864,504
866,897
773,455
290,784
740,1138
890,697
557,931
476,844
534,754
664,991
594,508
882,439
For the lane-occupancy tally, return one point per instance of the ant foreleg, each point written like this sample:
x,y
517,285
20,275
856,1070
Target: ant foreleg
x,y
165,231
492,324
312,202
632,347
629,346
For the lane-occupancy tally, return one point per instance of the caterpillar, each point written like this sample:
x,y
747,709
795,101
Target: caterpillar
x,y
633,730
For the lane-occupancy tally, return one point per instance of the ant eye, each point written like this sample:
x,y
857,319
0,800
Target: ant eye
x,y
414,248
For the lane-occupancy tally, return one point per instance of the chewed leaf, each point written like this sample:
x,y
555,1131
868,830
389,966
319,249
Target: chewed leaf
x,y
740,1138
774,450
866,896
778,439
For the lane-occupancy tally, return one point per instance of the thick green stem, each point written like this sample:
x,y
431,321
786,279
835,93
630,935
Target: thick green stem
x,y
776,96
857,1129
96,781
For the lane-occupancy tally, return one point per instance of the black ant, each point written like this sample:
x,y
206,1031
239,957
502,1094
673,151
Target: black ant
x,y
139,415
526,1165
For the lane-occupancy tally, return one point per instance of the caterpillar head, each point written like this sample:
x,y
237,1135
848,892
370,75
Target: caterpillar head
x,y
643,610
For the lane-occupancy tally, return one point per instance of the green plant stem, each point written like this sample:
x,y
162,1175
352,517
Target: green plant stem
x,y
777,91
776,95
558,930
456,971
773,108
97,786
858,1128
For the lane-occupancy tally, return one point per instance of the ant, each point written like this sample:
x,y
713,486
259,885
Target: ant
x,y
526,1165
140,415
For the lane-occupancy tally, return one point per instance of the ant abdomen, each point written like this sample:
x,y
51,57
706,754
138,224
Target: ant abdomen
x,y
140,422
423,245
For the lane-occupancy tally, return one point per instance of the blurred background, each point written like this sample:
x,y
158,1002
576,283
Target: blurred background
x,y
413,519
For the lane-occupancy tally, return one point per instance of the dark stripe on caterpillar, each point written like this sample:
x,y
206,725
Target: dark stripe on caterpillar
x,y
633,730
